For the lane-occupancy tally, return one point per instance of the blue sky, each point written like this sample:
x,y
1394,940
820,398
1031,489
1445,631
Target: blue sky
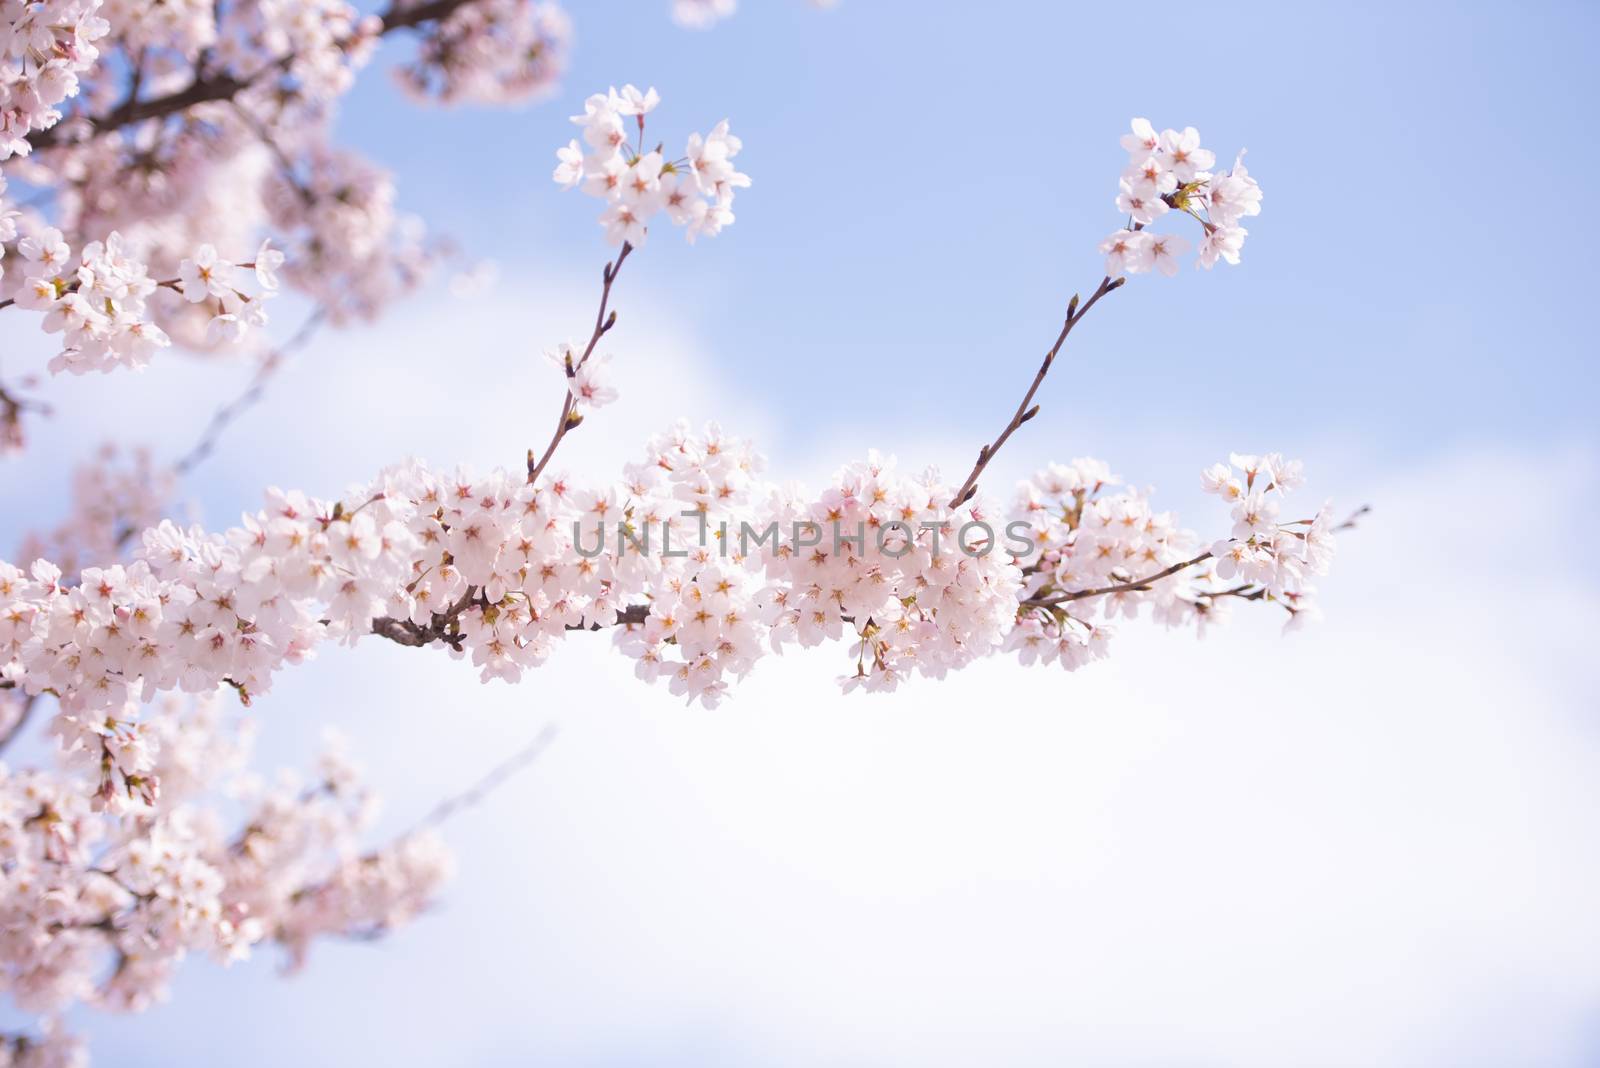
x,y
1371,843
931,181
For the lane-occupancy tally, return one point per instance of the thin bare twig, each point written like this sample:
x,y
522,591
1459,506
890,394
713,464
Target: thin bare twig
x,y
22,718
969,488
602,325
271,364
485,786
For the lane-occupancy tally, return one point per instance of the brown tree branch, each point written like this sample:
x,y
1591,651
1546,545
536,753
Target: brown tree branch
x,y
22,717
969,488
1120,587
1144,584
602,325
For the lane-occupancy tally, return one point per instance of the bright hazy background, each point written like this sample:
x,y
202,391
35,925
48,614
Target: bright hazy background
x,y
1371,843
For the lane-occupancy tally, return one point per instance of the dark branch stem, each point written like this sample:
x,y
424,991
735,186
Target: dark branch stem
x,y
440,628
1120,587
22,718
1024,412
602,324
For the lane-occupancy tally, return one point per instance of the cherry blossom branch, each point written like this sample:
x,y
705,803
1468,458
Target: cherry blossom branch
x,y
634,615
441,628
603,323
1144,584
969,488
1120,587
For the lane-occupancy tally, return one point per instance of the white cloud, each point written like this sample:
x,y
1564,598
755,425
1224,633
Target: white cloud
x,y
1371,843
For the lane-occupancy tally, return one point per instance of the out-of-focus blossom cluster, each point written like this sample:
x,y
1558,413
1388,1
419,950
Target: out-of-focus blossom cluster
x,y
352,248
317,44
51,1048
101,899
611,162
1170,172
491,52
115,498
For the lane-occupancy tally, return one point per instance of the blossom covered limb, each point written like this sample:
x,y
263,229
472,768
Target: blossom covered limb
x,y
1248,591
1131,586
499,567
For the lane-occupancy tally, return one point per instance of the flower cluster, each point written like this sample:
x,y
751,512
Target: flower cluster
x,y
46,45
695,191
103,906
98,306
924,588
1266,556
681,525
1100,553
491,52
1170,172
99,300
212,282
